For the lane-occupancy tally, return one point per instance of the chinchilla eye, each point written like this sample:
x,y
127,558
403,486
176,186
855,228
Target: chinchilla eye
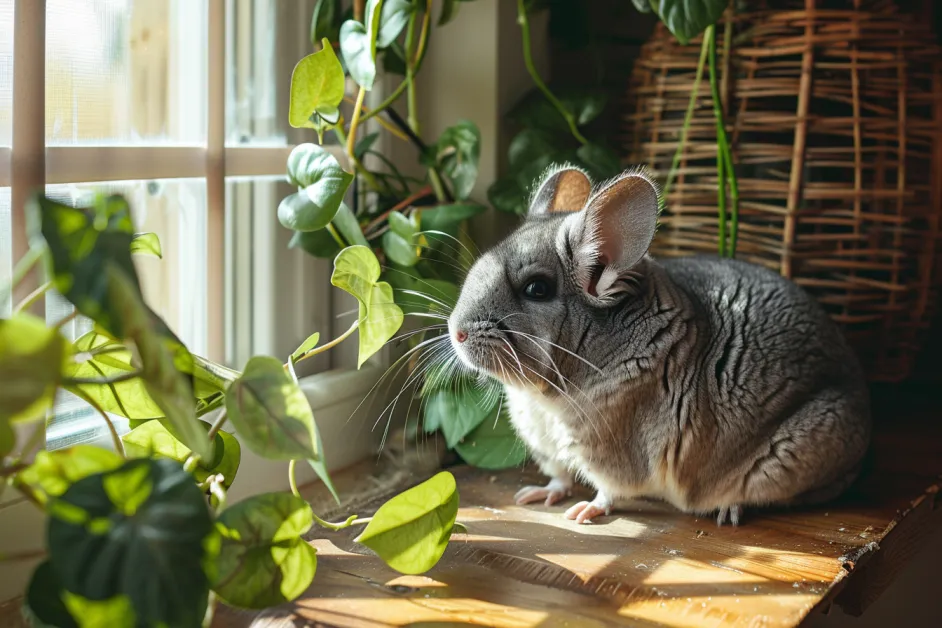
x,y
538,289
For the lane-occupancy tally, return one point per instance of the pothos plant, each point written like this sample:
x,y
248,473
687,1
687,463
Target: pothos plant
x,y
413,225
142,534
553,125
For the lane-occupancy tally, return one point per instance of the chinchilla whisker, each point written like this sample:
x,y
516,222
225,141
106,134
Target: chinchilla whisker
x,y
536,339
422,330
426,297
426,315
413,377
432,287
448,235
399,361
552,364
451,250
347,313
513,352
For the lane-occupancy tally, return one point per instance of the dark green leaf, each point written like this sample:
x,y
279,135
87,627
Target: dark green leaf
x,y
533,146
535,111
31,360
152,438
324,184
364,144
146,244
42,604
644,6
493,444
411,530
53,472
507,195
263,561
460,411
601,161
457,153
317,86
449,11
272,415
316,243
357,272
7,443
348,226
393,17
446,218
358,45
394,59
141,531
325,21
688,18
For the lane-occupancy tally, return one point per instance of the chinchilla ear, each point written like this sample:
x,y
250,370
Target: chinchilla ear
x,y
563,189
613,233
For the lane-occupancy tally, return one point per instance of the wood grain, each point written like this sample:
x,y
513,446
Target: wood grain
x,y
647,565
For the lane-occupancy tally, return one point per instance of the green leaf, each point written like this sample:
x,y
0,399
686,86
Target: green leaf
x,y
272,415
83,244
358,45
405,227
43,605
411,530
393,18
325,21
394,59
364,144
357,271
507,195
141,531
493,444
316,243
263,561
449,11
348,226
535,111
167,365
317,85
458,152
601,161
446,218
127,398
688,18
307,345
324,184
53,472
399,250
460,411
146,244
644,6
115,612
532,146
154,439
31,360
7,443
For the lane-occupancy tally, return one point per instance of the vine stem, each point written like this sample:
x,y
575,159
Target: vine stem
x,y
352,520
118,445
524,22
32,297
688,117
354,123
368,113
68,319
292,480
710,40
410,74
330,345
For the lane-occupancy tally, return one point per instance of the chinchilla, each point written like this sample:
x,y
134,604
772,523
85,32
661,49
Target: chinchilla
x,y
710,383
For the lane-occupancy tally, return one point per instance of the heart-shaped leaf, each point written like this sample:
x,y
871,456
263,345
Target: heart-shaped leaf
x,y
493,444
534,111
458,152
459,413
358,45
317,86
47,604
688,18
263,561
357,271
399,250
317,243
601,161
272,415
325,21
146,244
393,18
32,357
324,184
53,472
141,531
411,530
154,439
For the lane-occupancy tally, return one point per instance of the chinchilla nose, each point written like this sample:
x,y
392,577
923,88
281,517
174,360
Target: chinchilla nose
x,y
461,335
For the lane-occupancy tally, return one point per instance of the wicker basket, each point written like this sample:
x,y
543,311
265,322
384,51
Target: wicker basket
x,y
834,112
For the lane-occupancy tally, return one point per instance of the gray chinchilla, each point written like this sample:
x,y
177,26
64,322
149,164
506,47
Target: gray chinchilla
x,y
712,384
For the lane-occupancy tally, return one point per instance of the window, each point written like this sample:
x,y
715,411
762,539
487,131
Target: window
x,y
180,105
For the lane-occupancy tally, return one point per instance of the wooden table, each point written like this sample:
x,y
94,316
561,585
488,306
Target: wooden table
x,y
646,566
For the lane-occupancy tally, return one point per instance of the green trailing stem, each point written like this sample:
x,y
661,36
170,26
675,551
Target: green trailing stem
x,y
688,116
726,174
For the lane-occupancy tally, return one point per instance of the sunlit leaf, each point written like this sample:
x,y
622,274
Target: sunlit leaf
x,y
356,270
411,530
263,561
115,612
140,531
272,415
317,85
322,184
493,444
399,250
307,345
154,439
31,360
146,244
358,45
53,472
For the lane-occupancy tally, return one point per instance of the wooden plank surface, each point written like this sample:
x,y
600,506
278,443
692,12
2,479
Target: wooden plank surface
x,y
646,565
